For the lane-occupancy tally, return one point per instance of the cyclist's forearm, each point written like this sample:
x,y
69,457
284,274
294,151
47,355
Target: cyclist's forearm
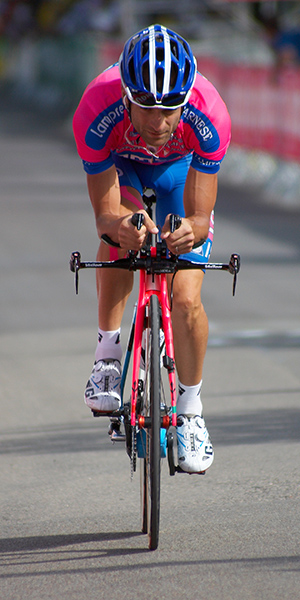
x,y
109,224
104,192
199,200
200,227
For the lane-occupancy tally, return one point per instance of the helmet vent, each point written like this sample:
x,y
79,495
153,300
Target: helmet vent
x,y
174,48
186,72
145,75
133,43
160,54
185,45
131,71
159,79
145,48
174,75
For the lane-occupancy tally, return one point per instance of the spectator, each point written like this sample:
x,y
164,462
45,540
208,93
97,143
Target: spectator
x,y
285,43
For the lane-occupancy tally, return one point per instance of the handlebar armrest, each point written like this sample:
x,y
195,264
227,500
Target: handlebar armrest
x,y
107,240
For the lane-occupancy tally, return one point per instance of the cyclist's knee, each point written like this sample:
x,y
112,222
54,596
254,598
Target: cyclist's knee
x,y
187,292
187,302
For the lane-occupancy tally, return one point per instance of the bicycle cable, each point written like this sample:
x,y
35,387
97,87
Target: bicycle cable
x,y
171,291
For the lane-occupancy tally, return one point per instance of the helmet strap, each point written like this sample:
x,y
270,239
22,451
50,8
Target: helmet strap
x,y
127,105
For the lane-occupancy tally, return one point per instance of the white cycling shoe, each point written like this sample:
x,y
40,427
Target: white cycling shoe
x,y
102,393
195,451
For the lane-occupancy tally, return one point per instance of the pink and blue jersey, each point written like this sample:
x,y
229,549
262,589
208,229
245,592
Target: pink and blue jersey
x,y
102,128
105,137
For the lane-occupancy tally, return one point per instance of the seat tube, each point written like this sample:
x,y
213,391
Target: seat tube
x,y
168,333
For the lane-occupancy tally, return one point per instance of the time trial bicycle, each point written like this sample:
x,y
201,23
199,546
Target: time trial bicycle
x,y
147,423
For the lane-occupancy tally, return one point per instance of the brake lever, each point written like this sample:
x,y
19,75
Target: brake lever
x,y
174,222
75,265
138,220
234,267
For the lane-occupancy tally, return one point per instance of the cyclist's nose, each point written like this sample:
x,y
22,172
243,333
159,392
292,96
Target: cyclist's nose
x,y
157,117
157,122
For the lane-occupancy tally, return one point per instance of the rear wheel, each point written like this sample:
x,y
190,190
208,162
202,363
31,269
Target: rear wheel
x,y
150,465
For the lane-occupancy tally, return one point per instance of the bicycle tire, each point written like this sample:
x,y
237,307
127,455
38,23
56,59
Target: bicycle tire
x,y
150,467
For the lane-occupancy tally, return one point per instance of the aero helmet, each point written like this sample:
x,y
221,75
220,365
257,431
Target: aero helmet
x,y
157,68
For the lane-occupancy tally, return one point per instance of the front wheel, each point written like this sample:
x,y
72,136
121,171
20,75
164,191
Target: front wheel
x,y
150,464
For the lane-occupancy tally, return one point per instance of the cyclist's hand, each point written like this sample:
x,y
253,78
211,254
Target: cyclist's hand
x,y
130,238
181,240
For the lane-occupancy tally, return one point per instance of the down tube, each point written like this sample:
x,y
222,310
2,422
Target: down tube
x,y
139,323
168,332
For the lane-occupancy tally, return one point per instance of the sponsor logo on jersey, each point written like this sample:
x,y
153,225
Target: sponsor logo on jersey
x,y
205,131
101,128
205,162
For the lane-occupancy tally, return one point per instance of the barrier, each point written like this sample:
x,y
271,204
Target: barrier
x,y
265,110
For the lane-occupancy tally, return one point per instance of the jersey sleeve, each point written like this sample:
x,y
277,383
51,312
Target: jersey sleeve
x,y
97,120
208,126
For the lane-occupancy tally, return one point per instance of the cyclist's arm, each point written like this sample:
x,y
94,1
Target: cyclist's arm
x,y
112,218
200,194
104,192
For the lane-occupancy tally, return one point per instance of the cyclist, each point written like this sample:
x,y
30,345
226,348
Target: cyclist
x,y
152,121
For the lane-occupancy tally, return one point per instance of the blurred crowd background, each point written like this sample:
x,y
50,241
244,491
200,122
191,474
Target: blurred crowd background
x,y
51,49
194,19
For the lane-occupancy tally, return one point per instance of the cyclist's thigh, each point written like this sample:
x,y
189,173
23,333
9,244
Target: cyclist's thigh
x,y
187,288
169,183
131,186
167,180
171,201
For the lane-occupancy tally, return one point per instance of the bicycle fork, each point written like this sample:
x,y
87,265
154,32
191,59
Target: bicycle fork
x,y
153,284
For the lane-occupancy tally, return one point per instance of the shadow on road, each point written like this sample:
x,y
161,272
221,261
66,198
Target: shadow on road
x,y
257,427
249,427
47,553
50,542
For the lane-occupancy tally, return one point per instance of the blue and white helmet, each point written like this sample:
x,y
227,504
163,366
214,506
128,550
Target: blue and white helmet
x,y
157,68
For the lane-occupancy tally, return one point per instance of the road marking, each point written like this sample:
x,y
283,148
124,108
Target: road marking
x,y
256,337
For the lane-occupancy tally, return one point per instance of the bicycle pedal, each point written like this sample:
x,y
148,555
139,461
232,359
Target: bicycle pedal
x,y
180,470
117,436
99,413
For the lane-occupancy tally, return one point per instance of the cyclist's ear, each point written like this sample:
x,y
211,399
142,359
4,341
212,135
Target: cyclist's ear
x,y
126,103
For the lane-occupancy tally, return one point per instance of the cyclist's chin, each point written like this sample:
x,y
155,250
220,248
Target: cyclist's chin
x,y
156,140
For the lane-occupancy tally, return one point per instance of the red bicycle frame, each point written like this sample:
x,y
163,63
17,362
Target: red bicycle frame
x,y
153,284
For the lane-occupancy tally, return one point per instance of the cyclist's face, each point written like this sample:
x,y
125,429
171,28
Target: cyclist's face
x,y
155,125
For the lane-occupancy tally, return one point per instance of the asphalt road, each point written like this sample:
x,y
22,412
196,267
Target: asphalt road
x,y
69,511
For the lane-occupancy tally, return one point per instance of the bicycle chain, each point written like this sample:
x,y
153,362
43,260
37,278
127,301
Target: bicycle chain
x,y
133,452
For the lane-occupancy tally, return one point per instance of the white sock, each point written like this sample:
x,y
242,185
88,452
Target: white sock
x,y
109,345
189,400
